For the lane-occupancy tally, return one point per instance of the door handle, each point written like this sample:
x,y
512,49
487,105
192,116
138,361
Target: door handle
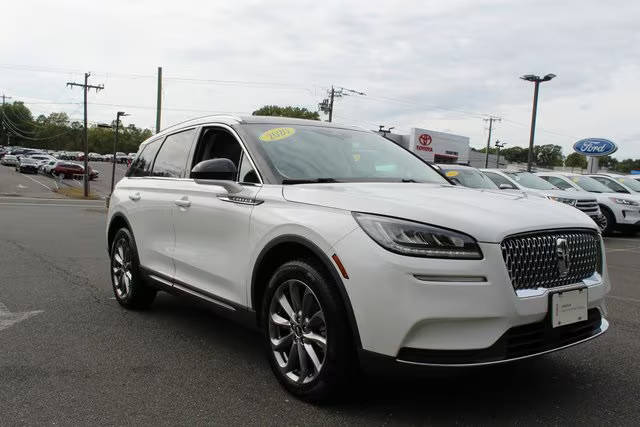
x,y
183,203
134,196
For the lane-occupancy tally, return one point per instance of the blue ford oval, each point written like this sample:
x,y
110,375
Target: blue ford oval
x,y
595,147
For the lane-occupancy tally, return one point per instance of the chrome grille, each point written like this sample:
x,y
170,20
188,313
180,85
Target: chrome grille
x,y
590,207
532,259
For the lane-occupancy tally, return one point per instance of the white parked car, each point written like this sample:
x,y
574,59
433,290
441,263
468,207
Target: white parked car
x,y
339,244
9,160
533,185
618,183
634,176
620,211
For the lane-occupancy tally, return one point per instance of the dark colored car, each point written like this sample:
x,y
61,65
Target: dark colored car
x,y
69,170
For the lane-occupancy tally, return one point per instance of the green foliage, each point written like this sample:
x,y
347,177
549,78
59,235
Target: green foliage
x,y
57,132
295,112
576,160
548,156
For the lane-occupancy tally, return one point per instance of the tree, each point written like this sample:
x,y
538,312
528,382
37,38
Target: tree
x,y
575,160
548,155
295,112
515,154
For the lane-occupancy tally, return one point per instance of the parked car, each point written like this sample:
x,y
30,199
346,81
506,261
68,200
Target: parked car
x,y
47,167
466,176
95,157
27,165
9,160
618,183
532,184
634,176
121,157
620,212
343,247
70,170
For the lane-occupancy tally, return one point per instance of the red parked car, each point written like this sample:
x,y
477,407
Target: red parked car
x,y
69,170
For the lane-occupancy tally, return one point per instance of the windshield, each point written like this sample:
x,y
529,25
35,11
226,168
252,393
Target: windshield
x,y
529,180
590,184
307,152
469,178
629,182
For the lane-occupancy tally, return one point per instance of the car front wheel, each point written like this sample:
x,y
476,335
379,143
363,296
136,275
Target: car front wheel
x,y
304,321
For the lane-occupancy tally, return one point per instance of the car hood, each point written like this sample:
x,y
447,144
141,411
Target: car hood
x,y
488,216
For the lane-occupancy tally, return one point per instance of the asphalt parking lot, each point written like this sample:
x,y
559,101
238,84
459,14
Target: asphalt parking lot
x,y
15,184
70,355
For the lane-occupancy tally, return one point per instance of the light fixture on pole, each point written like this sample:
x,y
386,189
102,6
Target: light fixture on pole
x,y
499,145
536,80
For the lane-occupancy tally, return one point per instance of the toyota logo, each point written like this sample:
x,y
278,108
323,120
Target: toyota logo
x,y
563,258
425,139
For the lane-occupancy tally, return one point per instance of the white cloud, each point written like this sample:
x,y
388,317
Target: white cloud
x,y
436,64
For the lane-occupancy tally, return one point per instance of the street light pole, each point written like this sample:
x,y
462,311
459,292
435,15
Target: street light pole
x,y
536,81
499,146
115,145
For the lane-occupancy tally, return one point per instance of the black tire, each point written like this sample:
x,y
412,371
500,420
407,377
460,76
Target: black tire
x,y
339,362
609,221
137,295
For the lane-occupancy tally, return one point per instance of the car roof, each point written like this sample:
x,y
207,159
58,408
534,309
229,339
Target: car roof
x,y
236,120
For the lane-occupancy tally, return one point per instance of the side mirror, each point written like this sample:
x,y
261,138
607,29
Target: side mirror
x,y
505,187
220,172
222,169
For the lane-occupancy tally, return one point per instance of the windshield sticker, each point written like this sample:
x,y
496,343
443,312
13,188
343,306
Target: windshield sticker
x,y
451,174
277,134
621,180
575,179
356,157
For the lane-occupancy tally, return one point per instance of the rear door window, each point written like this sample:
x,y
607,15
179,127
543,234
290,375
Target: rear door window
x,y
141,166
172,158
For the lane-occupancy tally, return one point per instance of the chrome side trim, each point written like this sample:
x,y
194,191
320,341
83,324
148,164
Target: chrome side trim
x,y
204,297
447,278
240,200
604,325
160,279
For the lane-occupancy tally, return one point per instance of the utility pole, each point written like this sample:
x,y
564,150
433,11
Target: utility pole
x,y
326,106
159,100
491,119
5,134
499,146
115,147
86,86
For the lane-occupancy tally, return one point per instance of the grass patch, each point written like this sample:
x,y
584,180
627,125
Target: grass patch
x,y
76,193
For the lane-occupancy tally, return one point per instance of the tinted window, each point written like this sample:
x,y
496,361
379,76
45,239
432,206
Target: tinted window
x,y
611,184
215,143
499,179
171,160
141,166
247,173
558,182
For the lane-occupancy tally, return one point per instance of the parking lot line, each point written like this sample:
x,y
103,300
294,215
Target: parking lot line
x,y
37,182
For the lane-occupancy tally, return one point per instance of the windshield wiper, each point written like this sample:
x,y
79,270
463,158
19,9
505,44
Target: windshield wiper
x,y
308,181
408,180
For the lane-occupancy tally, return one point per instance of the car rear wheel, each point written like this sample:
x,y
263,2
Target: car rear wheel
x,y
129,286
308,345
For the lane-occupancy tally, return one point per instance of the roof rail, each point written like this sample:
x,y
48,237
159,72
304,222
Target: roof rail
x,y
228,116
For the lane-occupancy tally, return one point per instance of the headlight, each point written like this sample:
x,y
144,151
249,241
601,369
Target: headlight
x,y
624,201
416,239
565,200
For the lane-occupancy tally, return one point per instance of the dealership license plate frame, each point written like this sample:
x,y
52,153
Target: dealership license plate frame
x,y
568,307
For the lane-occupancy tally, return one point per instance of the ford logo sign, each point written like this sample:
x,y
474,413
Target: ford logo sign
x,y
595,147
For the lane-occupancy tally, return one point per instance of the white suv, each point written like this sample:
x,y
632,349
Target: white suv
x,y
343,247
620,211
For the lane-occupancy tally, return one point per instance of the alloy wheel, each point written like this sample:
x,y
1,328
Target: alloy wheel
x,y
121,268
297,331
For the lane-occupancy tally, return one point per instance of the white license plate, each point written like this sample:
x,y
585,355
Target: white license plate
x,y
568,307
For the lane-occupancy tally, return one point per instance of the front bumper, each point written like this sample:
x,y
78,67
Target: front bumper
x,y
418,309
627,215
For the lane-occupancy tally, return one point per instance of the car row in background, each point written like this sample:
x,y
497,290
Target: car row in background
x,y
612,201
41,162
67,155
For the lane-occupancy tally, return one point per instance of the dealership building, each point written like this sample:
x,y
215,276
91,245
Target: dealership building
x,y
434,147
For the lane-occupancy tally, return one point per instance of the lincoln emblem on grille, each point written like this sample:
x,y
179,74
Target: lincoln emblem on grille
x,y
564,260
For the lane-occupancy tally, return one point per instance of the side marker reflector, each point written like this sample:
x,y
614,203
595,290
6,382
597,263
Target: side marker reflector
x,y
343,271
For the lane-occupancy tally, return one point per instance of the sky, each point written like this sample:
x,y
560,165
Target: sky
x,y
439,65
